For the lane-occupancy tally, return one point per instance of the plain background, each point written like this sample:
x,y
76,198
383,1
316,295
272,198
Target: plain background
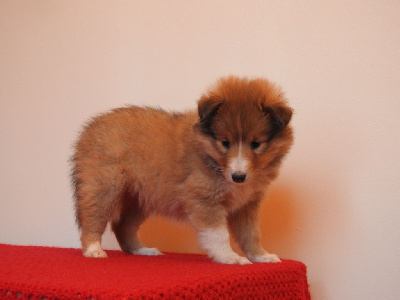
x,y
336,204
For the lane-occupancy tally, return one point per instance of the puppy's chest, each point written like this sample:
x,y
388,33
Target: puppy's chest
x,y
238,197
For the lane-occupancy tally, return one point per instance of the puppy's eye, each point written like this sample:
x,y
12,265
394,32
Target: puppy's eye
x,y
254,145
226,144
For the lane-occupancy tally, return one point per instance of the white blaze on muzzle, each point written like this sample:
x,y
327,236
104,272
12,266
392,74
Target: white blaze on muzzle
x,y
238,167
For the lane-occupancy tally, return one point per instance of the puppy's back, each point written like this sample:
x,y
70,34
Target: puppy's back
x,y
133,134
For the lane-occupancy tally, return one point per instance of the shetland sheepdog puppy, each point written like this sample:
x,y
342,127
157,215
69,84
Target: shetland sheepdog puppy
x,y
209,167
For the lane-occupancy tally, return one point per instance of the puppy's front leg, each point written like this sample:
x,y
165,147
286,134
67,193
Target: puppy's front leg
x,y
211,225
244,227
215,240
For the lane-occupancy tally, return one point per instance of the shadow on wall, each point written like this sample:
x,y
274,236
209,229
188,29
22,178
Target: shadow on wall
x,y
279,217
169,236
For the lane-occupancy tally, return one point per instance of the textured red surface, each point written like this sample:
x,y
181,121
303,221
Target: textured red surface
x,y
28,272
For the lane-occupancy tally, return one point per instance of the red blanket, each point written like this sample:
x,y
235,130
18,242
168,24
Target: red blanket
x,y
28,272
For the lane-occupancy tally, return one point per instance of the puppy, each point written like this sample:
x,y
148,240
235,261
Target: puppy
x,y
210,168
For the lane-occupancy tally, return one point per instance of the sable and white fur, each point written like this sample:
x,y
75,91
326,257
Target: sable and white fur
x,y
210,168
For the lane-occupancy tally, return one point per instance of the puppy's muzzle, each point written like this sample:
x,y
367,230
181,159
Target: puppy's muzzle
x,y
238,177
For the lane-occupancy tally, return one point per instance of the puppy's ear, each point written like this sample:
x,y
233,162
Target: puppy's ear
x,y
207,109
279,117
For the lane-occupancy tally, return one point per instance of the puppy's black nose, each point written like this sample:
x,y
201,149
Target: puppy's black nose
x,y
238,177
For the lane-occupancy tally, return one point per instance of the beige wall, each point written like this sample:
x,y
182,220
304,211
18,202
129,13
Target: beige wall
x,y
336,204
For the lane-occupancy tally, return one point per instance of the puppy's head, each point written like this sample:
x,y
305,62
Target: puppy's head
x,y
244,128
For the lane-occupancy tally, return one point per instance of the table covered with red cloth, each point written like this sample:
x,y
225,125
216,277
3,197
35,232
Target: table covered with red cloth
x,y
30,272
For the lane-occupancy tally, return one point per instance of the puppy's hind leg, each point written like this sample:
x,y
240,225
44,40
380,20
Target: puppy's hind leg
x,y
127,226
96,204
92,226
91,244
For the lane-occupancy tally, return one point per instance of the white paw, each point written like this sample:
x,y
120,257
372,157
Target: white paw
x,y
147,251
266,258
94,250
233,259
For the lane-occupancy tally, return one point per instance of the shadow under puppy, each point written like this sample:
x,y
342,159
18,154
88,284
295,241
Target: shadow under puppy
x,y
210,168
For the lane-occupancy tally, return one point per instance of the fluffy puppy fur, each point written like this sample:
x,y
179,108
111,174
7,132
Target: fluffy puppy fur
x,y
210,168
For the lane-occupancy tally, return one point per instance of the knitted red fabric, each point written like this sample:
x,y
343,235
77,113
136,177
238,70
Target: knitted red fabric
x,y
28,272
